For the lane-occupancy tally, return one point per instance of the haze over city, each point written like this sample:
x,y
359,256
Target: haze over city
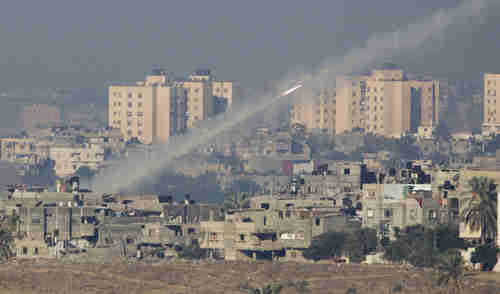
x,y
250,147
90,43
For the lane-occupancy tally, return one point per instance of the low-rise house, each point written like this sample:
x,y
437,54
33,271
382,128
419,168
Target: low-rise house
x,y
180,224
389,206
276,227
45,231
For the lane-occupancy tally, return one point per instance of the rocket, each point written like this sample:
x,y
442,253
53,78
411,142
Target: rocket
x,y
291,90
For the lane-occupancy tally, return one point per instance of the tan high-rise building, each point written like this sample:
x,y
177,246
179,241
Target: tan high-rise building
x,y
150,111
491,107
316,111
383,103
200,102
227,95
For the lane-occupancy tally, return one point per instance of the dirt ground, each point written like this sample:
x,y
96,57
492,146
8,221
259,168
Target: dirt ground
x,y
218,277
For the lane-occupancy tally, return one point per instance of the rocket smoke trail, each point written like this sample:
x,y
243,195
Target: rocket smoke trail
x,y
380,47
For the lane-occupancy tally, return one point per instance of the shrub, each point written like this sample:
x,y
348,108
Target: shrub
x,y
486,255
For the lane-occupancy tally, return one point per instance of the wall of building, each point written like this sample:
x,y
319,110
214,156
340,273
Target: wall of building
x,y
40,115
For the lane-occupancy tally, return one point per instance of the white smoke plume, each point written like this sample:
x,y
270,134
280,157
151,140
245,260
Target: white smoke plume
x,y
378,48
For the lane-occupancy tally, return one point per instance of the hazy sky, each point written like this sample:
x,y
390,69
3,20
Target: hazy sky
x,y
58,43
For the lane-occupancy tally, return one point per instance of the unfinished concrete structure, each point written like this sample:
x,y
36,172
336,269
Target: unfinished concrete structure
x,y
46,231
275,227
179,224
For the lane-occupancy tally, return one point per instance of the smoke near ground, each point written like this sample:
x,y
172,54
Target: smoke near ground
x,y
426,34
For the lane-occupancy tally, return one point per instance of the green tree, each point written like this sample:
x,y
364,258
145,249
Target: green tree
x,y
360,243
415,245
480,208
193,251
326,246
451,271
486,255
6,243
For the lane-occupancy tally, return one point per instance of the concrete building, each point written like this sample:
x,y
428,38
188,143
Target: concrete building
x,y
315,112
383,103
227,95
389,206
69,159
46,231
273,228
491,109
40,115
19,149
223,95
150,111
200,101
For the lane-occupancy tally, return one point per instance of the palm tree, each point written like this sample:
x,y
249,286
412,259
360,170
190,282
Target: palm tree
x,y
480,208
451,272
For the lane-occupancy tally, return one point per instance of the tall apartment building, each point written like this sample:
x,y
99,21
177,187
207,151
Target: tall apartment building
x,y
382,103
491,109
227,95
39,115
200,101
150,111
315,111
224,94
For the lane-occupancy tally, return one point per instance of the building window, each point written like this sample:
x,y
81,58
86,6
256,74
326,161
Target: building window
x,y
139,133
318,221
140,113
129,95
25,251
139,104
196,90
242,237
139,95
35,252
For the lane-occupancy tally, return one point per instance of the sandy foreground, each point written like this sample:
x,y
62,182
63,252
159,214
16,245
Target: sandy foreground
x,y
221,277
